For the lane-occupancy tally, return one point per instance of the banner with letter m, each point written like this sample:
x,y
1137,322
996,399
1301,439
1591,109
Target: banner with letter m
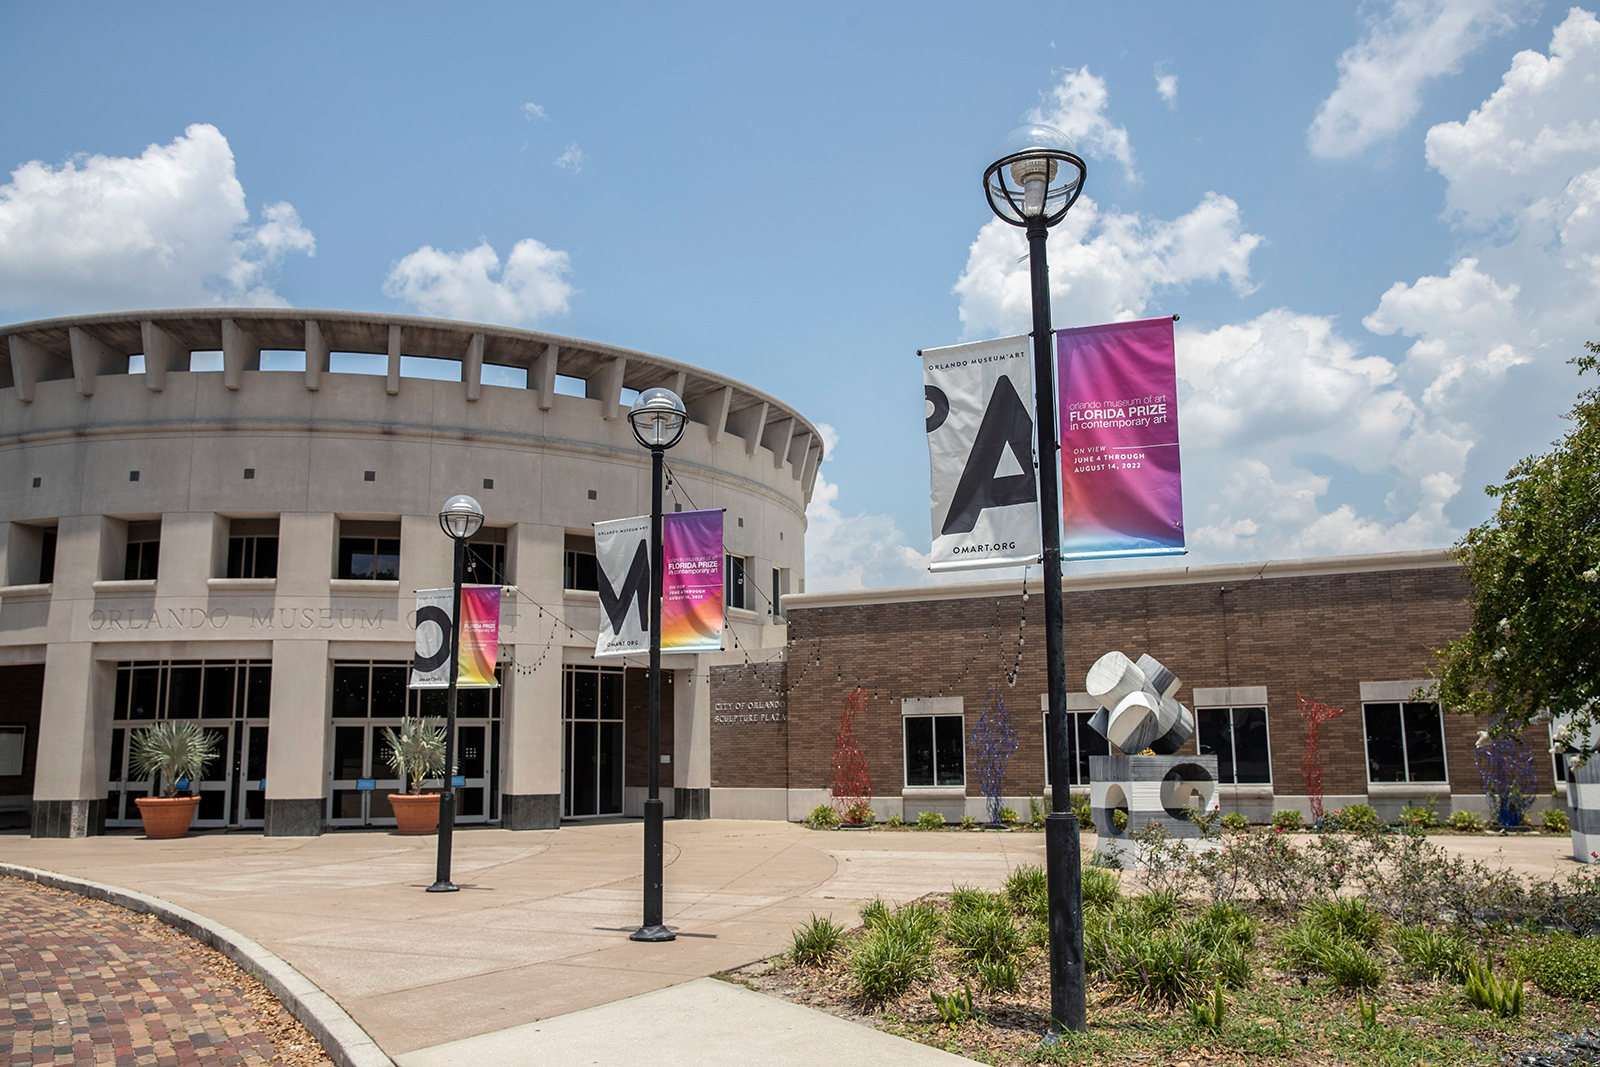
x,y
622,552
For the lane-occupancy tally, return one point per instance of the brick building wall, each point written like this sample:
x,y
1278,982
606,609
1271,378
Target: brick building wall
x,y
1321,631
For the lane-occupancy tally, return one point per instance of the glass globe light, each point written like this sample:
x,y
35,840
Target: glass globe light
x,y
1045,176
461,517
658,418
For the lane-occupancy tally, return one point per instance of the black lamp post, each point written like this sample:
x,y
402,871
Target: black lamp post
x,y
1032,184
658,419
460,518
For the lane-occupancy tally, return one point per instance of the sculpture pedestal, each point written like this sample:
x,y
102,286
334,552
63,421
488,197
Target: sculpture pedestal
x,y
1150,789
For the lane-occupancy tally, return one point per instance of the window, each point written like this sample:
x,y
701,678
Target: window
x,y
13,742
47,556
369,551
580,571
1405,742
252,548
1082,742
143,558
1238,738
486,557
935,750
734,577
777,593
192,689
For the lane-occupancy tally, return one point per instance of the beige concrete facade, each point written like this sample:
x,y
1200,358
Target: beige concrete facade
x,y
94,459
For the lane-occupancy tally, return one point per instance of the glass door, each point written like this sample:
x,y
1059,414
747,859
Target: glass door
x,y
592,741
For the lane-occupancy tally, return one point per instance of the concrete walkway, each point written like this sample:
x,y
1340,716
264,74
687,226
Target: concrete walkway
x,y
541,928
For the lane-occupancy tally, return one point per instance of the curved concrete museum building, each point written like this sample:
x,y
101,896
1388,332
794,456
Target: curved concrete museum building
x,y
222,516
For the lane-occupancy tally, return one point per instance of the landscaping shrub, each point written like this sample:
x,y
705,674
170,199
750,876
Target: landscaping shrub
x,y
1037,810
1153,966
1101,888
964,899
1224,924
1000,974
1314,945
985,935
816,942
1431,954
1119,819
1008,816
894,822
1235,822
887,962
1230,963
860,814
1499,996
1157,909
954,1007
1555,821
1082,809
1209,1012
1353,918
930,820
873,912
1563,966
1288,819
968,822
1423,818
823,817
1025,882
1467,822
1359,818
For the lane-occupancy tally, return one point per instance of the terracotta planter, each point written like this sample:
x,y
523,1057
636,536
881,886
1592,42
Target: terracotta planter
x,y
417,814
166,817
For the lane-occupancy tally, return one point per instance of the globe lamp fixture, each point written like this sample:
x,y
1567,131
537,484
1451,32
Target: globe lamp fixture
x,y
461,517
1035,178
658,418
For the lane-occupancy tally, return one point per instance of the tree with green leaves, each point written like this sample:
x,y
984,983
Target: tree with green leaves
x,y
1532,655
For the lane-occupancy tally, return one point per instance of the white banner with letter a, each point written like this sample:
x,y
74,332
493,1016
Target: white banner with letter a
x,y
985,497
622,550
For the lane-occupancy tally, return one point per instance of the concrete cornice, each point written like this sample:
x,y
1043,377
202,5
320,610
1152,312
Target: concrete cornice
x,y
202,329
1218,574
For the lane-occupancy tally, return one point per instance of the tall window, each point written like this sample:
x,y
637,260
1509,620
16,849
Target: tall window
x,y
1405,742
143,558
369,550
935,750
733,575
581,571
486,557
777,593
47,556
1238,738
252,548
1082,742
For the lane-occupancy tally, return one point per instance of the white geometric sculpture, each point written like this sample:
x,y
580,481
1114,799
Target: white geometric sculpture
x,y
1138,712
1137,709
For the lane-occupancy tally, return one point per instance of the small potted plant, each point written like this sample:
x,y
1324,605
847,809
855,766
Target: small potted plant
x,y
415,754
171,752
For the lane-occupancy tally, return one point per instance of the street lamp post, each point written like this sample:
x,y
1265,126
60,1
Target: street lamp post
x,y
1045,177
658,419
460,518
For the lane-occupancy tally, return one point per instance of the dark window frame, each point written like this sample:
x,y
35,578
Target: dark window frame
x,y
382,548
1405,713
1228,771
939,728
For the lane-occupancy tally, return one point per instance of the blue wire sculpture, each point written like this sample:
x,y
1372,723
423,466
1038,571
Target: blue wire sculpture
x,y
993,741
1509,781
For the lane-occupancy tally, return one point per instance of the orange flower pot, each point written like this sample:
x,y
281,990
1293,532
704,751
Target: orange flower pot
x,y
415,814
166,817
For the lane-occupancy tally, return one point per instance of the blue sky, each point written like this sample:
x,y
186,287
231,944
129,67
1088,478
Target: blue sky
x,y
791,196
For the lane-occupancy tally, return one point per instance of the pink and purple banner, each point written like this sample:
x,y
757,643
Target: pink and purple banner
x,y
1121,485
480,636
691,589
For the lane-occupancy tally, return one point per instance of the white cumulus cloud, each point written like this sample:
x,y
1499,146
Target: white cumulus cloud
x,y
1104,265
1381,77
1076,105
572,159
533,113
1167,87
169,227
463,285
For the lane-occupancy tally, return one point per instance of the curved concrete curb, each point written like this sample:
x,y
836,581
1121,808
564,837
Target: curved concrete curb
x,y
341,1038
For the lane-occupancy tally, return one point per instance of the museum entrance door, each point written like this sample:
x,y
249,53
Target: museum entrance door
x,y
592,741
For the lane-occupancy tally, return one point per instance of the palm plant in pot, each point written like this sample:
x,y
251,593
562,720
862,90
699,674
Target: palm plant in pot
x,y
171,752
415,753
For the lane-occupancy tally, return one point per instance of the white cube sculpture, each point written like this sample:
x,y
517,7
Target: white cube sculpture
x,y
1138,712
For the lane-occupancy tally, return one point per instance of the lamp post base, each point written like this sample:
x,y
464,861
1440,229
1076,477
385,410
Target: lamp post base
x,y
444,887
652,933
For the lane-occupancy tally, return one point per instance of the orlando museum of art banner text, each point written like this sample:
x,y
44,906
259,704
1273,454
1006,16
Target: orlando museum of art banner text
x,y
1121,483
480,638
691,588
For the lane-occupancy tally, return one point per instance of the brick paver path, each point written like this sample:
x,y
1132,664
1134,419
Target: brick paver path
x,y
91,983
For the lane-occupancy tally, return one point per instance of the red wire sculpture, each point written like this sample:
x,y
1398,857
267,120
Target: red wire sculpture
x,y
1315,714
851,784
